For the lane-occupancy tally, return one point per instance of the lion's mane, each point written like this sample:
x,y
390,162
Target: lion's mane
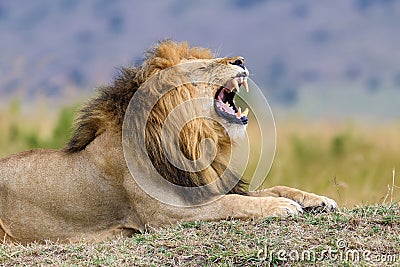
x,y
107,111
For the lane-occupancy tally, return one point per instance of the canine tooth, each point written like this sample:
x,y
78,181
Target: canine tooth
x,y
239,113
239,79
245,112
245,85
235,84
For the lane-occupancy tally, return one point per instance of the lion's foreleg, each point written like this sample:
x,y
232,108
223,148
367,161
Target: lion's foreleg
x,y
239,206
305,199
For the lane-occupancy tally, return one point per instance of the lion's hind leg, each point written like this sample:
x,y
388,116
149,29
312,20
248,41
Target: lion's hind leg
x,y
5,236
305,199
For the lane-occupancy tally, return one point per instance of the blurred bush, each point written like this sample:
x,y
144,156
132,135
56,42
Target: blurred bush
x,y
26,131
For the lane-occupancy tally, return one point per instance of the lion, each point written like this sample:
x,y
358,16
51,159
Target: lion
x,y
85,191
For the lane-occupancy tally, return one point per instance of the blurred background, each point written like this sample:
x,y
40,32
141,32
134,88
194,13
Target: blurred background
x,y
330,70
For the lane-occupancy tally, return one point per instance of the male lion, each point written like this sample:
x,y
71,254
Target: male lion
x,y
86,191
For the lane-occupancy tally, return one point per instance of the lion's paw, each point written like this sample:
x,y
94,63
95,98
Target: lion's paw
x,y
312,201
282,207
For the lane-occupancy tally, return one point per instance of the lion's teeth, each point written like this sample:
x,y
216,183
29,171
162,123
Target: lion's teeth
x,y
235,84
239,79
239,113
245,112
245,85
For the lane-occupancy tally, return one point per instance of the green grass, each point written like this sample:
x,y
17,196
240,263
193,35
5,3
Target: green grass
x,y
24,129
362,236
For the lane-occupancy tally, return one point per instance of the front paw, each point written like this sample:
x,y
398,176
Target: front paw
x,y
281,207
316,202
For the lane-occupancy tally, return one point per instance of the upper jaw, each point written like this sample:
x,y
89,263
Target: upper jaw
x,y
237,81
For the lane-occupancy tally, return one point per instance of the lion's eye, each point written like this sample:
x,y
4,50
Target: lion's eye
x,y
239,62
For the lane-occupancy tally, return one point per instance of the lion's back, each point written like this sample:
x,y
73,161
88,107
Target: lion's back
x,y
25,163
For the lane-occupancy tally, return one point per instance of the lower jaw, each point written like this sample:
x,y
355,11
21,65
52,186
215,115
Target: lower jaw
x,y
230,118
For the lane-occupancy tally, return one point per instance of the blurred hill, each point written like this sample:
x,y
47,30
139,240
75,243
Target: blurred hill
x,y
309,56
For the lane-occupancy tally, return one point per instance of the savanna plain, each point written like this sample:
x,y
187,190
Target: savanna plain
x,y
357,164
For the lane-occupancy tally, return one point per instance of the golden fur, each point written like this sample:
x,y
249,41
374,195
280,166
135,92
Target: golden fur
x,y
86,192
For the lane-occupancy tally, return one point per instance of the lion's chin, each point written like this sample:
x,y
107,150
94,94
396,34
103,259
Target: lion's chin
x,y
236,131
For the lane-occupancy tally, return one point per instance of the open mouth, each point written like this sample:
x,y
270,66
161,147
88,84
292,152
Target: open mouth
x,y
224,103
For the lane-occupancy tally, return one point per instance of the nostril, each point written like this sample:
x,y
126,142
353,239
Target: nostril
x,y
238,62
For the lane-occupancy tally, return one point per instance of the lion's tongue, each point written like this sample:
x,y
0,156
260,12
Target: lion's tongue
x,y
220,98
222,102
226,107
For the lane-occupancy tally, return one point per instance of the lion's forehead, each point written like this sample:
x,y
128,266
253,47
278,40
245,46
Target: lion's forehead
x,y
221,60
222,65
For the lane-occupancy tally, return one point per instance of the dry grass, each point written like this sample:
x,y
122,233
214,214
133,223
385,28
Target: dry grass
x,y
351,162
364,236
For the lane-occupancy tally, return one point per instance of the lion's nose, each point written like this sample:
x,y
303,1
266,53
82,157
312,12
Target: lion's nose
x,y
239,62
